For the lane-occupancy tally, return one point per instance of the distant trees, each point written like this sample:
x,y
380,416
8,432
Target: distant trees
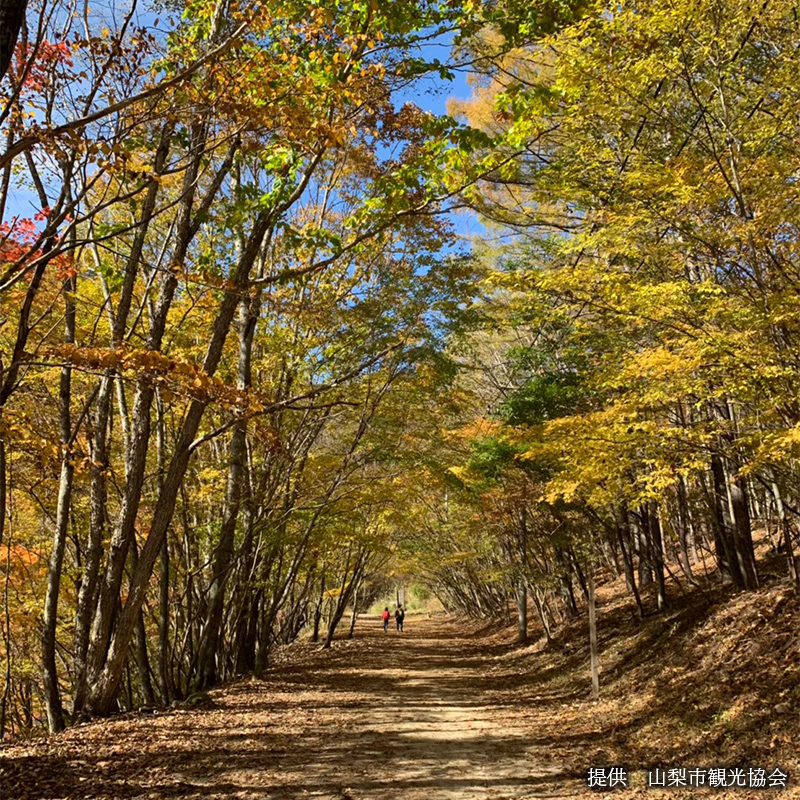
x,y
634,389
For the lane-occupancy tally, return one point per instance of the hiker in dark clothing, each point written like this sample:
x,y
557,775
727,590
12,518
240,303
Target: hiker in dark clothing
x,y
399,614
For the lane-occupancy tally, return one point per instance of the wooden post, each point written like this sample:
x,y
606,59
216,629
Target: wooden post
x,y
593,637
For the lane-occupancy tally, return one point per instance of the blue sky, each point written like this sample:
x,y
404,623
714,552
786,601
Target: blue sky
x,y
430,94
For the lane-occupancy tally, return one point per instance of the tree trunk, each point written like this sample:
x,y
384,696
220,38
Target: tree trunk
x,y
89,594
742,532
163,578
740,509
12,14
207,672
163,626
243,596
645,566
136,457
727,562
657,550
142,659
623,534
686,532
318,609
7,677
521,595
345,590
354,617
786,531
348,592
565,583
542,612
55,714
107,681
521,588
579,574
593,659
719,529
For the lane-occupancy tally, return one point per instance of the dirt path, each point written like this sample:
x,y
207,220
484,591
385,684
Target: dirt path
x,y
383,716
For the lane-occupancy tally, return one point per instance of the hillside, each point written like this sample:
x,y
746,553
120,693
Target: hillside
x,y
712,681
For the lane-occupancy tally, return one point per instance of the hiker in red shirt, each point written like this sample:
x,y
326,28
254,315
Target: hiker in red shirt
x,y
386,619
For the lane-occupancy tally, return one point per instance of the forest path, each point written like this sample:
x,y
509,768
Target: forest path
x,y
412,722
389,716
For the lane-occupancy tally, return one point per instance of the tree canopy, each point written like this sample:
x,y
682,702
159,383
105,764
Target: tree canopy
x,y
249,366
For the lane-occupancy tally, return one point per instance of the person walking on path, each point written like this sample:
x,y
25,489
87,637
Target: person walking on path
x,y
386,619
399,614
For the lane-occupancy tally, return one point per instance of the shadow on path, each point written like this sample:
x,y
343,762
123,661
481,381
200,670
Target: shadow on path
x,y
380,717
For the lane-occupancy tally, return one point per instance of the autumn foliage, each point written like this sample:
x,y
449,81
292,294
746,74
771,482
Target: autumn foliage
x,y
247,368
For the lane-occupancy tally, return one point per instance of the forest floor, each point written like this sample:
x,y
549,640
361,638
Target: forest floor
x,y
412,716
448,711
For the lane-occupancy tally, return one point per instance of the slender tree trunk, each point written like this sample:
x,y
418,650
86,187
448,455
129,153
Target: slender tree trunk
x,y
318,609
785,531
521,595
207,673
6,585
163,578
579,574
593,657
3,479
107,681
136,458
89,590
163,626
643,549
354,616
87,593
732,504
743,537
52,693
541,611
623,535
142,658
740,509
657,550
249,601
263,620
686,534
723,536
242,598
565,583
521,588
345,590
